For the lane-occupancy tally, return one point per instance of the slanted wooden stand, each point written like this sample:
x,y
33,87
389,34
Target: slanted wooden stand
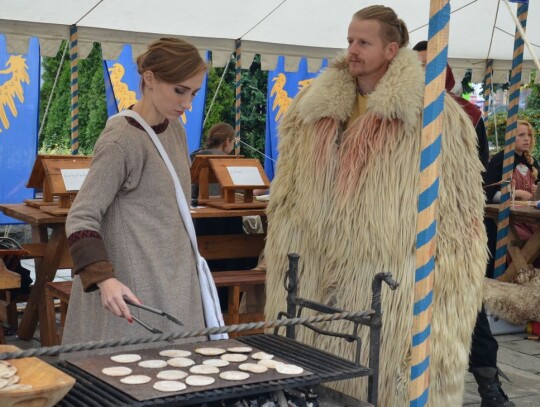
x,y
225,169
46,175
202,174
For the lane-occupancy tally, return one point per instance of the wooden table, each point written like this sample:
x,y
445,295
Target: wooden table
x,y
53,254
522,254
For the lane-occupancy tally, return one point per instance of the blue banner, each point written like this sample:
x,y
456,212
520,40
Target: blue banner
x,y
122,88
282,88
19,115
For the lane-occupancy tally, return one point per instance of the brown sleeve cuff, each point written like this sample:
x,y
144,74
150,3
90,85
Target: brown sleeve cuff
x,y
95,273
87,251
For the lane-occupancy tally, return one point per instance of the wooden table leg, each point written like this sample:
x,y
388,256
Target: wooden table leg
x,y
51,317
45,271
233,308
528,253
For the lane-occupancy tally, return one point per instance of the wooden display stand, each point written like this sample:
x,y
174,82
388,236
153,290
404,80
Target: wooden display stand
x,y
202,174
245,175
47,176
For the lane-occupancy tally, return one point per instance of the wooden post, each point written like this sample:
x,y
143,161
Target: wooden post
x,y
74,56
238,95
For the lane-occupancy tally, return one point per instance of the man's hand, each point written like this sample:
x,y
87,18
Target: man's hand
x,y
112,297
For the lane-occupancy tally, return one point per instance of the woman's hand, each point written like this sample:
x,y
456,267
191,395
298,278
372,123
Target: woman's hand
x,y
534,187
112,297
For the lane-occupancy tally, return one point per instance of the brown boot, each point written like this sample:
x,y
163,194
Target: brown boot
x,y
489,387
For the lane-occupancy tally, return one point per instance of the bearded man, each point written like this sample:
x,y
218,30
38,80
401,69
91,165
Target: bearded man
x,y
345,199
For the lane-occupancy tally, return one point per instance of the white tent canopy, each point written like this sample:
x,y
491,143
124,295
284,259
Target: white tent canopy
x,y
479,29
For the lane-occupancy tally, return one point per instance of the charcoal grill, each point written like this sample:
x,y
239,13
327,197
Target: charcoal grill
x,y
324,367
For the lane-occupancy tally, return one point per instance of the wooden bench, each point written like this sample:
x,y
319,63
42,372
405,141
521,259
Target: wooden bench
x,y
241,246
8,280
30,251
211,248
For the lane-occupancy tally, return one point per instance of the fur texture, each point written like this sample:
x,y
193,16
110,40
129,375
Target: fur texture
x,y
517,302
350,211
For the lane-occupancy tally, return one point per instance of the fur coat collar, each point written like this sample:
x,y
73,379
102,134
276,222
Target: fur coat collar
x,y
398,94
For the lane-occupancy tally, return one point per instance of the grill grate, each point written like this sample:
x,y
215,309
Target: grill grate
x,y
89,391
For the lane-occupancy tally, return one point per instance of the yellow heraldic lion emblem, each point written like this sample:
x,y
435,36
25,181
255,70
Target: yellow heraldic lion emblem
x,y
12,88
282,99
125,97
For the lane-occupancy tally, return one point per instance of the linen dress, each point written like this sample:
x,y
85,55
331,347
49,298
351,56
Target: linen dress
x,y
128,197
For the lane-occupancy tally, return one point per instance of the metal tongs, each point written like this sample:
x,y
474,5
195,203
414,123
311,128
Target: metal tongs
x,y
155,311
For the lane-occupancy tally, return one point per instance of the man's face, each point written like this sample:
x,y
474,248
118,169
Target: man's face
x,y
367,54
422,55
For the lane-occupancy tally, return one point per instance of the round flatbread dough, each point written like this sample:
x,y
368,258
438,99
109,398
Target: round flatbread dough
x,y
234,357
269,363
240,349
171,375
126,358
175,353
234,375
210,351
116,371
285,368
203,369
168,386
199,381
13,380
180,362
253,368
262,356
3,383
153,364
16,387
7,370
135,379
216,362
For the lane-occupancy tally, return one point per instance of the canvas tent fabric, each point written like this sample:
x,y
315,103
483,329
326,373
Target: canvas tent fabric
x,y
479,29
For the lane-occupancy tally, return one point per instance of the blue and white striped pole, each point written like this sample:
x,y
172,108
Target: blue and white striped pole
x,y
488,83
509,144
74,56
238,94
437,55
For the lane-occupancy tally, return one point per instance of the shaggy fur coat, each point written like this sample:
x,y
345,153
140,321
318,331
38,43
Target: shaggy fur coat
x,y
517,302
346,202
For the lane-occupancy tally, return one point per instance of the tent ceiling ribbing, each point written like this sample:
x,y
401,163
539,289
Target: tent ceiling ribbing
x,y
479,29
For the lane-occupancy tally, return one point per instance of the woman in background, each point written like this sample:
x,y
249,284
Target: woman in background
x,y
524,176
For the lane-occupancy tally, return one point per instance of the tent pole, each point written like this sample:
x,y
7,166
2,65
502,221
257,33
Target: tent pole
x,y
488,88
509,144
437,55
74,56
238,94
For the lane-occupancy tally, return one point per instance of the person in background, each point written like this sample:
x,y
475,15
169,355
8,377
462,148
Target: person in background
x,y
220,141
345,199
524,176
125,231
484,347
526,167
